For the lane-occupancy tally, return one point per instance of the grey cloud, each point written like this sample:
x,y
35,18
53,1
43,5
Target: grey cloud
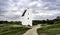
x,y
52,4
15,17
48,0
3,6
37,17
47,5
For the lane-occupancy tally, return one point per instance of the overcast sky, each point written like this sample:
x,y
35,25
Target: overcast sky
x,y
41,9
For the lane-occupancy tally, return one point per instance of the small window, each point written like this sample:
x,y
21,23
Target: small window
x,y
28,18
28,13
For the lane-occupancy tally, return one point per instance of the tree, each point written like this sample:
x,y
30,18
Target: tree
x,y
58,17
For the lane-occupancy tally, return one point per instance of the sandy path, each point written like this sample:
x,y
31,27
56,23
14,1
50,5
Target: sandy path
x,y
32,31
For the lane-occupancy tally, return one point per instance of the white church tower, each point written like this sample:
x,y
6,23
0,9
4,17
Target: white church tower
x,y
27,17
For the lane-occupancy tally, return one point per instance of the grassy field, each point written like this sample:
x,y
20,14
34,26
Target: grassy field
x,y
12,29
53,29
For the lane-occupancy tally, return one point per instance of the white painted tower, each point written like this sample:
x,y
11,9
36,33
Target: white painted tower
x,y
27,17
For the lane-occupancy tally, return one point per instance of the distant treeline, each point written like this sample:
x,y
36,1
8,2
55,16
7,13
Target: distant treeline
x,y
11,22
54,21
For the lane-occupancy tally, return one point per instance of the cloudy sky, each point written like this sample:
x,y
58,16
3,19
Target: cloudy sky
x,y
41,9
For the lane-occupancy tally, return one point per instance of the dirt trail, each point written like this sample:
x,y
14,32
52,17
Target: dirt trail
x,y
32,31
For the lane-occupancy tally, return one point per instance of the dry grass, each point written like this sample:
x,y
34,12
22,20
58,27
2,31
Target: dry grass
x,y
9,29
49,29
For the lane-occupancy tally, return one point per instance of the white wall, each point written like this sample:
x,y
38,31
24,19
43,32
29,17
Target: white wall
x,y
25,20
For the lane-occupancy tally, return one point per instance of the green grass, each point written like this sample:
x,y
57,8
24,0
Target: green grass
x,y
53,29
9,29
